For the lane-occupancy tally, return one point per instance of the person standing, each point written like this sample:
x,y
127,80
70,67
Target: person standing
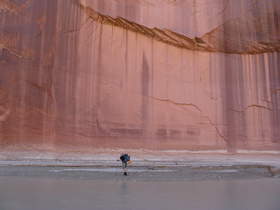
x,y
125,158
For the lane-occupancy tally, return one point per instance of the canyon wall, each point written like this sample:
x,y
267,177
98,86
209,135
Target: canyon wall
x,y
141,74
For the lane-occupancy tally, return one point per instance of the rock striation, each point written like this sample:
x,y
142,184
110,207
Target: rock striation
x,y
143,74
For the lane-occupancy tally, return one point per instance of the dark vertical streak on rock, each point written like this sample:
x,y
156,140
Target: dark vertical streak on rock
x,y
274,68
98,74
229,102
66,71
49,49
242,127
229,92
145,83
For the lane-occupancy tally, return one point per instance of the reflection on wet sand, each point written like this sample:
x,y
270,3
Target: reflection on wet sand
x,y
20,193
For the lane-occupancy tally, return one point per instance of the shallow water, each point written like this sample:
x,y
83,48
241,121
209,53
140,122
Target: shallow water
x,y
108,170
20,193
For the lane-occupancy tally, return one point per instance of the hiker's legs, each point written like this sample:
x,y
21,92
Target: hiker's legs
x,y
124,165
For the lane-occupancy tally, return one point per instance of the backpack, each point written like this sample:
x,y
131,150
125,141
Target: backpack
x,y
125,158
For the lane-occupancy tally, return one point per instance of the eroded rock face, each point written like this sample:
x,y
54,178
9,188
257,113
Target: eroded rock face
x,y
153,74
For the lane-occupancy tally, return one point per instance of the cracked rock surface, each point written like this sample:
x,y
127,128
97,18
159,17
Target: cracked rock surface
x,y
78,75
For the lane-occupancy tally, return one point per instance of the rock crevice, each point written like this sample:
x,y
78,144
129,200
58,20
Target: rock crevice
x,y
210,42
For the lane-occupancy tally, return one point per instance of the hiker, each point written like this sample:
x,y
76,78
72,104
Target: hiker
x,y
125,159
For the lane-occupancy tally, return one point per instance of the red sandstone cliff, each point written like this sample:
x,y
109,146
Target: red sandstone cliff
x,y
155,74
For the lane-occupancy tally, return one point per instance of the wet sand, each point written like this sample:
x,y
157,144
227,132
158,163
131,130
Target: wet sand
x,y
141,173
146,188
196,182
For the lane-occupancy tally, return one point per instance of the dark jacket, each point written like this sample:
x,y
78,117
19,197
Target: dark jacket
x,y
125,158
